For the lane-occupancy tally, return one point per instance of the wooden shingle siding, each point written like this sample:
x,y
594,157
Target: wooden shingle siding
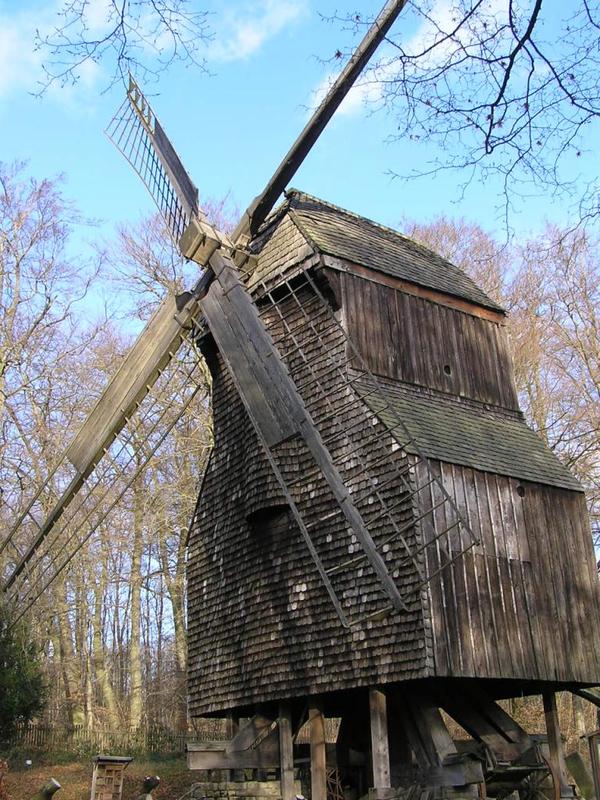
x,y
417,341
261,625
514,606
523,604
281,246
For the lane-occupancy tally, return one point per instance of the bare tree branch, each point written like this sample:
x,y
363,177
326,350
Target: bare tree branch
x,y
143,38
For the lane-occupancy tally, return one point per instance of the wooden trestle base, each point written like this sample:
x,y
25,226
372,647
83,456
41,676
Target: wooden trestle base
x,y
392,742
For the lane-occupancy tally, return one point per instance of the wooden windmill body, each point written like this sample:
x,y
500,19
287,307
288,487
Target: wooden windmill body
x,y
403,365
379,535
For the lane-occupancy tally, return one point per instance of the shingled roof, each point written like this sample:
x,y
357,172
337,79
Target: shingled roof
x,y
337,232
460,434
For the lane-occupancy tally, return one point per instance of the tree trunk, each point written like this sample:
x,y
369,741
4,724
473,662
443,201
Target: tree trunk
x,y
68,658
102,677
135,660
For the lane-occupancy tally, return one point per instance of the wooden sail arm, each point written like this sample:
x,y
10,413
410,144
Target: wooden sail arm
x,y
291,162
152,351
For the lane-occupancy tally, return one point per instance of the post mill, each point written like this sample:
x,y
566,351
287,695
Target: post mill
x,y
379,539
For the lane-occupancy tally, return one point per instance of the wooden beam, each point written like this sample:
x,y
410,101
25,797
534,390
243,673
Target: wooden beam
x,y
286,751
486,721
380,752
152,350
318,752
232,729
558,765
450,301
246,737
439,763
262,205
199,757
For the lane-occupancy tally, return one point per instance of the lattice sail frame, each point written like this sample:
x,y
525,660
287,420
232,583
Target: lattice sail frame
x,y
179,385
138,135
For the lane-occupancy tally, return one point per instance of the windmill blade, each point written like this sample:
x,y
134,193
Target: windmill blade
x,y
169,328
109,464
156,345
138,134
291,162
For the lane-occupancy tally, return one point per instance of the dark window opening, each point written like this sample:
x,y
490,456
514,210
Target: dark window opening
x,y
268,518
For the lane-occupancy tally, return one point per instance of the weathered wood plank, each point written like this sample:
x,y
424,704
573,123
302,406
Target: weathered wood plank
x,y
248,369
318,752
380,751
415,290
154,348
286,751
256,727
555,746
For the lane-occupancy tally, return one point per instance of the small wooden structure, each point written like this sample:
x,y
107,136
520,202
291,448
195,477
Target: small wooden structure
x,y
107,777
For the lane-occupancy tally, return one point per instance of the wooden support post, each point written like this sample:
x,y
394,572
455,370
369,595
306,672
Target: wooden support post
x,y
286,751
380,752
232,727
558,766
318,763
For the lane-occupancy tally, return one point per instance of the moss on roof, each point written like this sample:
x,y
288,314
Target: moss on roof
x,y
337,232
459,434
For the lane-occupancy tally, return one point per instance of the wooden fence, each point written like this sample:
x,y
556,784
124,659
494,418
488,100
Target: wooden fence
x,y
80,738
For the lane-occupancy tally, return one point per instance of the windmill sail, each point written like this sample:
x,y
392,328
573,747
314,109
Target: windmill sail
x,y
162,375
274,403
138,134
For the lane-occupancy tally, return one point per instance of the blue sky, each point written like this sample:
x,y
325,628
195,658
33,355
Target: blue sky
x,y
230,128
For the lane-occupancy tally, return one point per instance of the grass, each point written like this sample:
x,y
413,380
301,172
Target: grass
x,y
76,779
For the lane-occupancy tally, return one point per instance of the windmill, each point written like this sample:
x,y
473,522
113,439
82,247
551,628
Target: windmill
x,y
351,556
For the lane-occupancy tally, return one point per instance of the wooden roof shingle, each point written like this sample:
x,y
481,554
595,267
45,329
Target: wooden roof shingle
x,y
457,433
337,232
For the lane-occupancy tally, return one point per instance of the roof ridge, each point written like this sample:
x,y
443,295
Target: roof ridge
x,y
292,193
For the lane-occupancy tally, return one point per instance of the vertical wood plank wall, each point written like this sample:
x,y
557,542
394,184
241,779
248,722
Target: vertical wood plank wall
x,y
418,341
524,602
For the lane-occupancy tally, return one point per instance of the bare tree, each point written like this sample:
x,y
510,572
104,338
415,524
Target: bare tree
x,y
501,88
145,38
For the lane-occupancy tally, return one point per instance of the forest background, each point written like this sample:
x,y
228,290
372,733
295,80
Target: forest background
x,y
112,627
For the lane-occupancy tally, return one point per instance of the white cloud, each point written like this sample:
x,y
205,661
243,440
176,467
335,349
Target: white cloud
x,y
98,15
366,92
21,64
243,32
443,21
354,102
